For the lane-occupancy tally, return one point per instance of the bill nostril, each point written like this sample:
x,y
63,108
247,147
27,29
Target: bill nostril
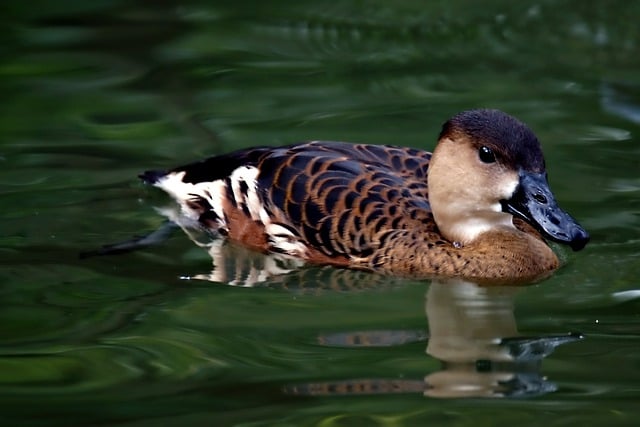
x,y
540,198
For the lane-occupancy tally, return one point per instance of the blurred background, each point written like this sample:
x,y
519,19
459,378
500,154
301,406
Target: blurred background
x,y
93,93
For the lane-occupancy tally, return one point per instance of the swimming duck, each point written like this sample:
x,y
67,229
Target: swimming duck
x,y
479,207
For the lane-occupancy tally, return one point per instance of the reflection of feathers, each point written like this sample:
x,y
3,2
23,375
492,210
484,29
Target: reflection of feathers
x,y
498,385
238,266
235,265
357,387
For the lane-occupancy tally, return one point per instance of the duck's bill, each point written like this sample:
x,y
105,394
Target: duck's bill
x,y
533,201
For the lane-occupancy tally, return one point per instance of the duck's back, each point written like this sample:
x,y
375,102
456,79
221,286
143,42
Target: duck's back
x,y
328,202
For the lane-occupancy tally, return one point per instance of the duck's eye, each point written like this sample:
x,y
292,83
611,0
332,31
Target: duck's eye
x,y
486,154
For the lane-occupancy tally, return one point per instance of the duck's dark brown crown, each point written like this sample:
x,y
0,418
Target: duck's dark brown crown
x,y
511,140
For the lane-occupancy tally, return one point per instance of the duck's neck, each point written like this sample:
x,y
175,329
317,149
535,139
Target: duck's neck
x,y
464,228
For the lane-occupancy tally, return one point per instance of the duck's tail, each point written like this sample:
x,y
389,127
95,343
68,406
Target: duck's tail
x,y
152,177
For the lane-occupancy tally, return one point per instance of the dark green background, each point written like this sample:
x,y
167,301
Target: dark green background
x,y
93,92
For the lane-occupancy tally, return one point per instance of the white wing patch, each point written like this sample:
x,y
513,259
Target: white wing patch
x,y
214,192
244,183
245,193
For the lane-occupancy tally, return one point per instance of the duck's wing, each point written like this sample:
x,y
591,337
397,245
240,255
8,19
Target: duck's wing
x,y
324,201
335,198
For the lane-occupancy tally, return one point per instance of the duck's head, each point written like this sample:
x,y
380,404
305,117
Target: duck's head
x,y
489,166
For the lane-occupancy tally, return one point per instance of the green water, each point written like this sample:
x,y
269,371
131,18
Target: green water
x,y
95,92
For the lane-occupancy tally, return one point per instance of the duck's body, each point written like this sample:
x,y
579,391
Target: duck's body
x,y
390,209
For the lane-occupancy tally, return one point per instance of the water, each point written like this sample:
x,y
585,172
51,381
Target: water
x,y
95,92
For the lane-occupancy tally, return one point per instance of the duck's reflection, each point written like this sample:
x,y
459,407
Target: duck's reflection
x,y
235,265
473,333
471,329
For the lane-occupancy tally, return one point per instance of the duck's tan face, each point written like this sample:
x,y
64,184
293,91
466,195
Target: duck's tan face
x,y
465,192
487,167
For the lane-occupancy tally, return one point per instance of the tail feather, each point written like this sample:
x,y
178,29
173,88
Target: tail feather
x,y
152,176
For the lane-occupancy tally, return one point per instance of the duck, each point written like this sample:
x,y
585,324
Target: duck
x,y
478,207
